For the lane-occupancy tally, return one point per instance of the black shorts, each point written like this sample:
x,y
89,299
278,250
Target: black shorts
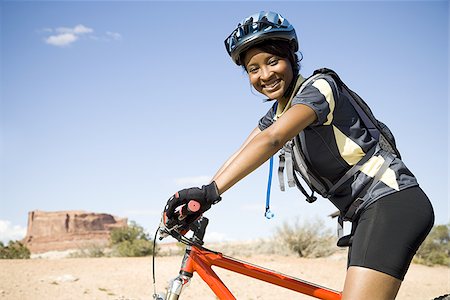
x,y
389,232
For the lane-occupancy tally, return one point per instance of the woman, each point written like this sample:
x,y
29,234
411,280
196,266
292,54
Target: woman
x,y
386,233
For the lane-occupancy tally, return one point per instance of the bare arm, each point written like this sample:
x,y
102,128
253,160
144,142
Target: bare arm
x,y
252,134
263,145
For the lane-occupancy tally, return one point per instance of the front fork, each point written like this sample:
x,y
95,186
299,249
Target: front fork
x,y
176,286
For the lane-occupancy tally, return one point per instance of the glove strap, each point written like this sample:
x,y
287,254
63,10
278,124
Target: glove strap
x,y
212,193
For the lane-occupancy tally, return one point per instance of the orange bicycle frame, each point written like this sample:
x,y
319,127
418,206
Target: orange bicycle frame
x,y
201,260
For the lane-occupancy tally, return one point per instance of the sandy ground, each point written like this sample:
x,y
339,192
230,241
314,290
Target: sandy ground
x,y
131,278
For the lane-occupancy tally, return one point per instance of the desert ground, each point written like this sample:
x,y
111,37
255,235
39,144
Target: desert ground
x,y
131,278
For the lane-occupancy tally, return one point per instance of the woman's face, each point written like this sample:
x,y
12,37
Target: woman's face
x,y
269,74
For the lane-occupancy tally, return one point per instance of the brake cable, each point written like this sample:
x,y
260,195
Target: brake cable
x,y
155,295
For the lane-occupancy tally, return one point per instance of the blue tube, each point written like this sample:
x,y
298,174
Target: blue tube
x,y
268,214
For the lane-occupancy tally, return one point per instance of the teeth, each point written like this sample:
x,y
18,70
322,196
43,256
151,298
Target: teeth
x,y
272,84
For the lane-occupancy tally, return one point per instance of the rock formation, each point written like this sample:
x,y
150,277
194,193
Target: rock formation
x,y
64,230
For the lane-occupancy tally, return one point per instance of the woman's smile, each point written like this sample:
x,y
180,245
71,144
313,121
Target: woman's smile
x,y
271,86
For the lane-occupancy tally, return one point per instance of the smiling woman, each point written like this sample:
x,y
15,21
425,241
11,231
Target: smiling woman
x,y
109,126
345,157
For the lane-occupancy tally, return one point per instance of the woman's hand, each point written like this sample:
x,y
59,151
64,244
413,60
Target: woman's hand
x,y
187,205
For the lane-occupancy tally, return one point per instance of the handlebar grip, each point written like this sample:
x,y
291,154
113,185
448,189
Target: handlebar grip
x,y
186,209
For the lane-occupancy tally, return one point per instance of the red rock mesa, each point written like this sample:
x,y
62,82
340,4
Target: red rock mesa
x,y
64,230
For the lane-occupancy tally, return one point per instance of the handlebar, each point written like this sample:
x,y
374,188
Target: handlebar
x,y
198,228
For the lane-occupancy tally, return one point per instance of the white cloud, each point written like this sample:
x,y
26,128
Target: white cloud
x,y
61,40
79,29
65,36
114,35
193,181
11,232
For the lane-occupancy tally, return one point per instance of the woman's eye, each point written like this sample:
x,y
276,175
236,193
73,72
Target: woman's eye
x,y
273,62
253,70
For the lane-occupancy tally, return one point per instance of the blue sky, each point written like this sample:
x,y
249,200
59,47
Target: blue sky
x,y
113,106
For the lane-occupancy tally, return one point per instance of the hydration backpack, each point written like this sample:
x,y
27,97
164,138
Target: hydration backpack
x,y
292,155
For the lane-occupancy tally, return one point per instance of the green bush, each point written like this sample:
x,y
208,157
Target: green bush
x,y
435,250
309,239
131,241
14,250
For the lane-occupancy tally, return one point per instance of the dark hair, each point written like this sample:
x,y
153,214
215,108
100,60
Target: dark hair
x,y
279,48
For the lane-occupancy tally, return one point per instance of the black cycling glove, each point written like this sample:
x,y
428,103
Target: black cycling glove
x,y
205,196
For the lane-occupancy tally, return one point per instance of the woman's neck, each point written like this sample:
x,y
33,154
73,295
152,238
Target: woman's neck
x,y
284,101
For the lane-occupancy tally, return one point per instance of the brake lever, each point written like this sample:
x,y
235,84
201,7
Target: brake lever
x,y
164,231
182,212
175,231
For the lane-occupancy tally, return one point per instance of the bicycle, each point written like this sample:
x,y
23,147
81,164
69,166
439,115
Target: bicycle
x,y
198,259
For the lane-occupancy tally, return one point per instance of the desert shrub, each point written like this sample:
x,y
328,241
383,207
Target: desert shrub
x,y
14,250
308,239
131,241
89,251
435,250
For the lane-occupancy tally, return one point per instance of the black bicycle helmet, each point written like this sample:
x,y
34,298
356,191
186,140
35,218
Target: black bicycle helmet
x,y
257,28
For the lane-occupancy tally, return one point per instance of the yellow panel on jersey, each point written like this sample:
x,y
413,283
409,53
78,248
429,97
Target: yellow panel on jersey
x,y
350,151
325,89
371,167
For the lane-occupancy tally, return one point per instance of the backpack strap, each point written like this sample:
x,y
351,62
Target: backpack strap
x,y
286,160
356,206
361,201
314,180
289,165
353,170
287,155
281,165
